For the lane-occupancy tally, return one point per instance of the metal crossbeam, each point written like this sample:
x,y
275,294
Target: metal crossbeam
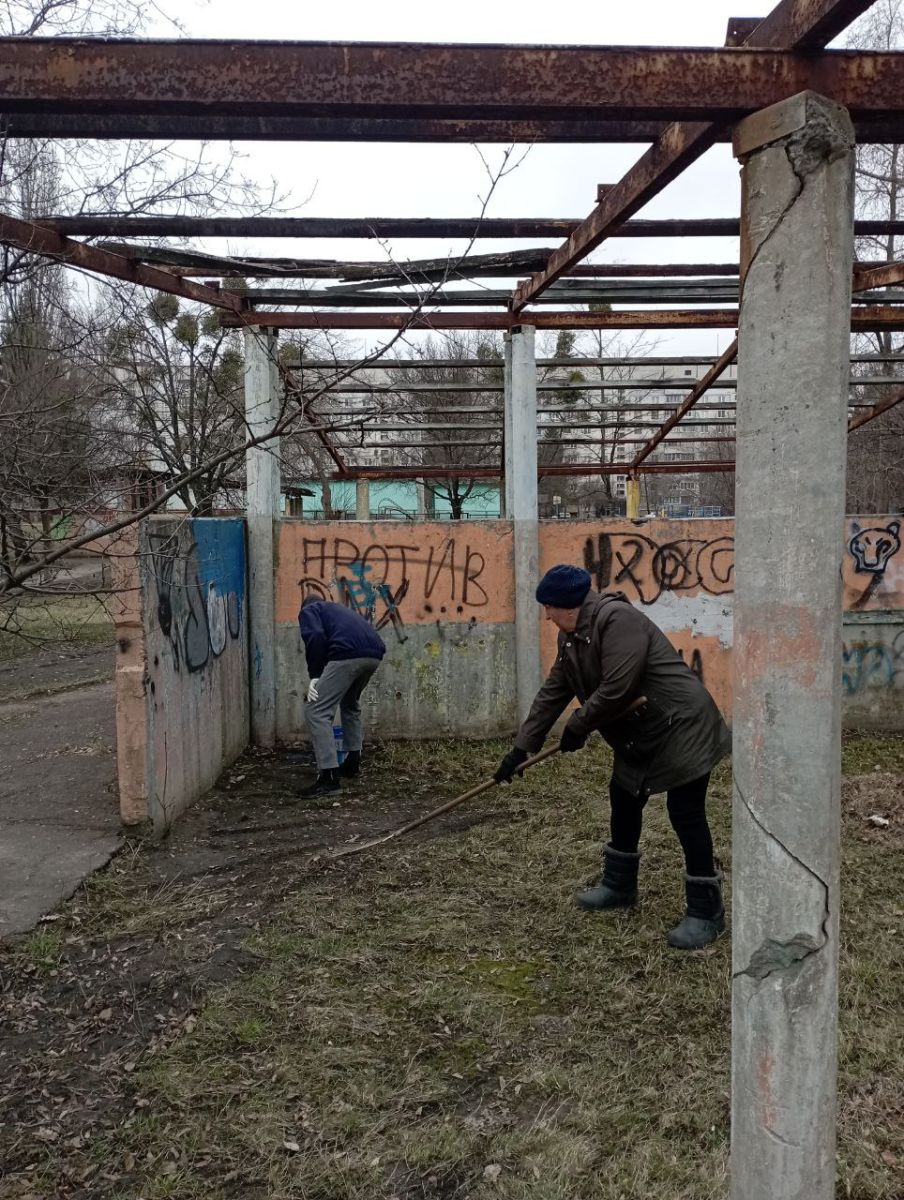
x,y
794,25
88,225
696,393
359,81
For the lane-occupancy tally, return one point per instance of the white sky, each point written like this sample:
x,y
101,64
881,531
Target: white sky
x,y
383,180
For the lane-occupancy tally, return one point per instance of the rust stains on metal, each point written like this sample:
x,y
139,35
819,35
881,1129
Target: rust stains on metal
x,y
696,393
623,319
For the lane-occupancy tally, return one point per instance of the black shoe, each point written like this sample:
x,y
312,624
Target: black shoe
x,y
705,917
327,784
618,886
351,764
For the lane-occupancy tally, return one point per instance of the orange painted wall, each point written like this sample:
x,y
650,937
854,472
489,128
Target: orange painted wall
x,y
415,573
681,573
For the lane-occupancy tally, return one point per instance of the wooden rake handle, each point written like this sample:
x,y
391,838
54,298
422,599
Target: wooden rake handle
x,y
465,796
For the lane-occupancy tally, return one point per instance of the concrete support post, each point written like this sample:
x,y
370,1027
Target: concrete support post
x,y
423,500
632,499
262,510
794,339
505,500
362,500
521,485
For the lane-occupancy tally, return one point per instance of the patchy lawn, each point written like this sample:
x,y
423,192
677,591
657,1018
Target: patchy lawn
x,y
60,623
219,1017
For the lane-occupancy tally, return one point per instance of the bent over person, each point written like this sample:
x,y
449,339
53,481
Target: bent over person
x,y
342,651
609,654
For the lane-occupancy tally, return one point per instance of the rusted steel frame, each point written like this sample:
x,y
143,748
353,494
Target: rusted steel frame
x,y
675,149
877,410
89,225
46,243
806,24
613,385
232,126
699,389
374,274
651,319
886,275
792,24
660,292
394,80
878,317
209,126
476,471
875,318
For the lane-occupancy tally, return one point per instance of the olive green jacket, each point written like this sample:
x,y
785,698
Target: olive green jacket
x,y
616,654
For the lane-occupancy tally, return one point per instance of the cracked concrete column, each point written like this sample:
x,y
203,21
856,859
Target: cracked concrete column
x,y
794,333
262,487
521,509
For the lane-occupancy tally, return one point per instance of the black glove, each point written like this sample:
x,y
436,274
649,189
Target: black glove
x,y
571,739
510,764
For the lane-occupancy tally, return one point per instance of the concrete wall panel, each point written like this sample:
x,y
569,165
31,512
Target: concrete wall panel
x,y
195,615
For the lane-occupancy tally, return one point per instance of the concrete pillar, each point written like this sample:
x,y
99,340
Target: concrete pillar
x,y
505,500
794,338
521,485
423,500
262,510
632,499
362,500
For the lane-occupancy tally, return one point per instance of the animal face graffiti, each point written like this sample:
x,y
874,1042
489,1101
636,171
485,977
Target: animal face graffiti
x,y
872,548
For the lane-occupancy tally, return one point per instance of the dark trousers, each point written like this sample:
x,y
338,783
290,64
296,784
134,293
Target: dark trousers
x,y
687,812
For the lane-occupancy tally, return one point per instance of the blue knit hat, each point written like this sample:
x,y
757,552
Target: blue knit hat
x,y
563,587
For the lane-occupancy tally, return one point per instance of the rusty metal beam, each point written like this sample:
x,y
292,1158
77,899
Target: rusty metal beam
x,y
806,24
565,291
877,410
89,225
393,81
697,391
876,318
476,471
878,276
47,243
240,126
641,319
793,25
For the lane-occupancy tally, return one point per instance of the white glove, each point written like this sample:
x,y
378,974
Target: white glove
x,y
313,694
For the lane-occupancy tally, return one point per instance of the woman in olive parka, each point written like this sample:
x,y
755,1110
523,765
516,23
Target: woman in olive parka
x,y
609,654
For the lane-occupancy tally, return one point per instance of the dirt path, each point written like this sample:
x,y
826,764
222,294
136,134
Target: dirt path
x,y
59,816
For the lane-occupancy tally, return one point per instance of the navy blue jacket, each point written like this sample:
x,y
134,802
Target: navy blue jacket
x,y
331,632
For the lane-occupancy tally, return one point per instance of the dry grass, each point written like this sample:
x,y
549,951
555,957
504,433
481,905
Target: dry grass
x,y
62,622
437,1020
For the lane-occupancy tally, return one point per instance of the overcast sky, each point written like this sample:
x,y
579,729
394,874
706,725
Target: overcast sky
x,y
347,179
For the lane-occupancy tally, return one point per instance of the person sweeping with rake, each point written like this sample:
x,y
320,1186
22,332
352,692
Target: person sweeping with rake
x,y
609,653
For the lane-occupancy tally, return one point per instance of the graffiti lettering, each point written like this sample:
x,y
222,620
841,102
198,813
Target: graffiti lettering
x,y
867,665
199,573
645,569
380,579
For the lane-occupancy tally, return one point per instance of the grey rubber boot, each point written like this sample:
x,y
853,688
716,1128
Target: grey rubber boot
x,y
705,916
618,886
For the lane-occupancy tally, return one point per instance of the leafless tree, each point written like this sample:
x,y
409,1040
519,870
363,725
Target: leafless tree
x,y
876,452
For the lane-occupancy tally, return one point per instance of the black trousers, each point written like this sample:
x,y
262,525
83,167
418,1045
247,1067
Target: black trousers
x,y
687,812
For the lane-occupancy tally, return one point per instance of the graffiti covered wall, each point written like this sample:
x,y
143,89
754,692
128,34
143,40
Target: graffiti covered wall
x,y
194,658
441,597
